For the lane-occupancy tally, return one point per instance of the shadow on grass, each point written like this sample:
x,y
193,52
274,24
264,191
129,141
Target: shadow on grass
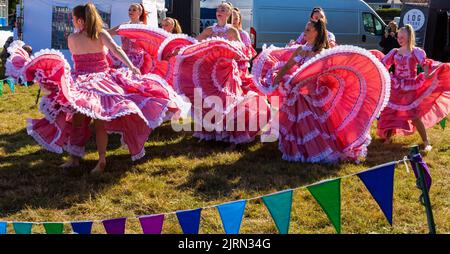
x,y
263,170
35,180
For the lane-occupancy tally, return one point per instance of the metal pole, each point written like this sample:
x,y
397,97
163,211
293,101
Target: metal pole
x,y
421,184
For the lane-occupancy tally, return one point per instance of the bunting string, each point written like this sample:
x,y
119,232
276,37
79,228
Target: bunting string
x,y
404,160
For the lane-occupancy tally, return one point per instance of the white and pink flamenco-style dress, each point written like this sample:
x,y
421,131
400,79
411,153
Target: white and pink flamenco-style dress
x,y
328,102
16,60
246,77
160,47
131,105
414,96
136,54
208,73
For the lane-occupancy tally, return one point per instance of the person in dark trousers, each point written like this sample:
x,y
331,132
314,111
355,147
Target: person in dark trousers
x,y
389,40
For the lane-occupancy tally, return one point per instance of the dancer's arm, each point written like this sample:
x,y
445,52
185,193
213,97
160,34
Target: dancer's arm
x,y
117,50
290,63
113,31
205,34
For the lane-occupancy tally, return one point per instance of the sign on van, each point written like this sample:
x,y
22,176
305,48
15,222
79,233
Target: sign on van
x,y
414,17
417,17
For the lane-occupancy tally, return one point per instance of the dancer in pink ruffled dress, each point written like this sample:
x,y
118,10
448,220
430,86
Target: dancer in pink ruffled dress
x,y
417,102
135,53
212,70
120,101
316,14
329,97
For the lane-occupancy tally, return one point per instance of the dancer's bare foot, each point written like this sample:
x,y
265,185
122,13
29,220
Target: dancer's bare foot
x,y
99,168
72,162
388,141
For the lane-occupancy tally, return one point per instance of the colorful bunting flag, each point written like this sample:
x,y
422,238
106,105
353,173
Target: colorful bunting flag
x,y
54,228
115,226
380,183
328,195
279,206
231,215
152,224
22,228
11,85
3,226
1,87
82,227
443,123
189,220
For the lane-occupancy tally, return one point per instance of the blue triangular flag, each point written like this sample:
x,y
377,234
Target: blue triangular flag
x,y
3,228
231,215
11,84
380,183
189,220
82,227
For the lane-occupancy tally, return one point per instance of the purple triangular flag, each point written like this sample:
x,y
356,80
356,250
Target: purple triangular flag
x,y
380,183
418,159
115,226
152,225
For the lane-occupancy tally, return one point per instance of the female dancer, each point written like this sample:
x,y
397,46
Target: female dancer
x,y
316,14
137,54
237,23
222,28
212,70
171,25
417,101
119,101
328,100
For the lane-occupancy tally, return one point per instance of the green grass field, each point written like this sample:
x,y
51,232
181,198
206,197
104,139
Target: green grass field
x,y
179,173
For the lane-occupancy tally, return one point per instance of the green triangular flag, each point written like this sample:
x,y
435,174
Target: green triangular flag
x,y
443,123
279,206
328,195
1,87
54,228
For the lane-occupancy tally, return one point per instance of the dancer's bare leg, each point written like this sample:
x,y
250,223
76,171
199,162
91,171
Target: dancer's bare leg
x,y
388,139
423,133
74,161
102,142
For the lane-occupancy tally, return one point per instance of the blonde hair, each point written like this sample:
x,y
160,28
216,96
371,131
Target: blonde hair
x,y
235,9
176,25
230,7
411,36
93,23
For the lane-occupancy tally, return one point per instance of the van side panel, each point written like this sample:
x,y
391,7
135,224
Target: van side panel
x,y
278,22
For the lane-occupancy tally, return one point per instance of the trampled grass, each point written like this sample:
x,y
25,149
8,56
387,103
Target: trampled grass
x,y
179,173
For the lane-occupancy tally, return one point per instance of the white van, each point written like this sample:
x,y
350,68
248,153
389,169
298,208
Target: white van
x,y
277,22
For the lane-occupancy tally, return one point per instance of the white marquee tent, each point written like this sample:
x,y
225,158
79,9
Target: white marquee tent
x,y
47,22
